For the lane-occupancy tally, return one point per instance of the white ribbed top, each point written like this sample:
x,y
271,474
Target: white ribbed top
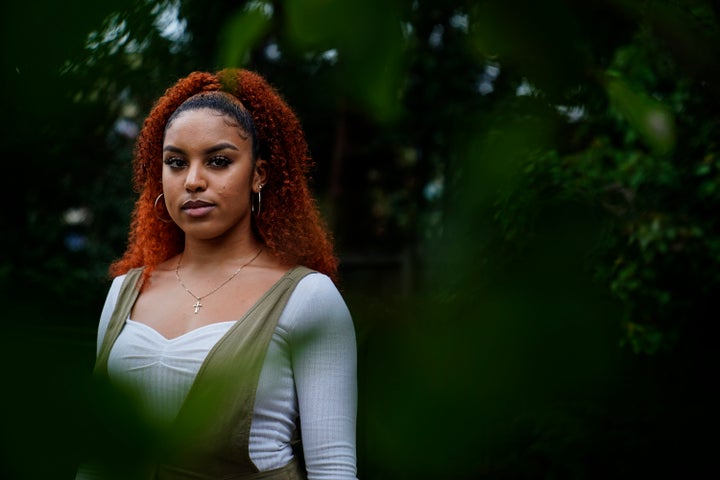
x,y
310,371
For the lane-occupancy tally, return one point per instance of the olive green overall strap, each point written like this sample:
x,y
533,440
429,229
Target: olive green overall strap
x,y
212,429
129,291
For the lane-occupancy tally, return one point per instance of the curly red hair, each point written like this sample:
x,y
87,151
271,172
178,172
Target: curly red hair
x,y
290,225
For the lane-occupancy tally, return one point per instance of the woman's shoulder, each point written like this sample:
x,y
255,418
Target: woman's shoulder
x,y
133,273
313,282
315,300
116,282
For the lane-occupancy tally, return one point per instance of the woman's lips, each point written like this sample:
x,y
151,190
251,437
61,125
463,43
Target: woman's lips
x,y
197,208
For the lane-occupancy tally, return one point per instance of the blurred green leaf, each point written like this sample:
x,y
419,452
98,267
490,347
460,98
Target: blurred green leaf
x,y
239,35
366,38
649,117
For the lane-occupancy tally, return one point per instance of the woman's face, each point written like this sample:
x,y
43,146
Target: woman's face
x,y
208,174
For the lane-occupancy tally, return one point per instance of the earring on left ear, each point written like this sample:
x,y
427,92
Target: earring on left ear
x,y
259,201
155,209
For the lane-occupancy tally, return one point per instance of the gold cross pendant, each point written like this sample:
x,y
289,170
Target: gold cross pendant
x,y
197,306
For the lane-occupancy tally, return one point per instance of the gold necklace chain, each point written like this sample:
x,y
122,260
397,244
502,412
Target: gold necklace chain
x,y
197,304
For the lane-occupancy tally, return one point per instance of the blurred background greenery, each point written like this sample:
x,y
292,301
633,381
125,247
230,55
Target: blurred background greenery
x,y
524,197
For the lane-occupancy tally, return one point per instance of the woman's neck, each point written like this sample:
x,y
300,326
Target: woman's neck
x,y
210,254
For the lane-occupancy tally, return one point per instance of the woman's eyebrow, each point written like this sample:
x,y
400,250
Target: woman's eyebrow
x,y
214,148
221,146
171,148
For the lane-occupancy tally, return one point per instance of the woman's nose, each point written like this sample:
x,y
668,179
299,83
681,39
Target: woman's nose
x,y
195,181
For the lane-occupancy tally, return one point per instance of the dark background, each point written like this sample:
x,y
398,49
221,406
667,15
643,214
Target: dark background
x,y
523,194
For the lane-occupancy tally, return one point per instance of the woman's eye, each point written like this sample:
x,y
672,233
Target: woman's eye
x,y
174,162
219,161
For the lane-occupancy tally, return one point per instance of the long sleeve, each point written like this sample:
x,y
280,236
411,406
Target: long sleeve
x,y
324,360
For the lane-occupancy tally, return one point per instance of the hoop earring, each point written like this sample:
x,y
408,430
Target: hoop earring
x,y
156,212
259,201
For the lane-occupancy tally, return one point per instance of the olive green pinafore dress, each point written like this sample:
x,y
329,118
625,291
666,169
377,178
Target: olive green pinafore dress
x,y
210,436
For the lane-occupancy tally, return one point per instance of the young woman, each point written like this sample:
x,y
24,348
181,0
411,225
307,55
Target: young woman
x,y
223,317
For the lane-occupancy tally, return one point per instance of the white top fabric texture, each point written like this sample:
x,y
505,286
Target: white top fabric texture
x,y
309,371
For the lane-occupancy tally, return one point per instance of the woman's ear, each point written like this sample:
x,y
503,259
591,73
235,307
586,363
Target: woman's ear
x,y
260,175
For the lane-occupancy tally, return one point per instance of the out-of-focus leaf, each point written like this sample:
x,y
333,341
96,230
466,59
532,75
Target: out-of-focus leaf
x,y
649,117
239,35
367,39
